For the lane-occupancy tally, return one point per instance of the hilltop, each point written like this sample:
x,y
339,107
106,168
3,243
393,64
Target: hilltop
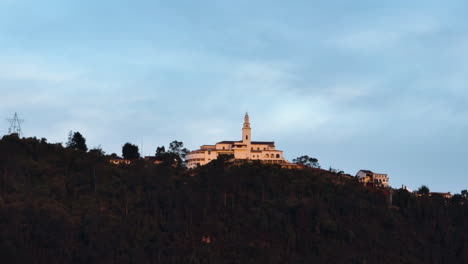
x,y
59,205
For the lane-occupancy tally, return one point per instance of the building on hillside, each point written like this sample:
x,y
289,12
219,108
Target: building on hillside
x,y
153,159
148,159
370,178
404,187
245,149
118,161
446,195
346,175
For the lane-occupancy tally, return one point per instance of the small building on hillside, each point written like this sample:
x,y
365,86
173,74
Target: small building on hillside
x,y
118,161
153,159
245,149
404,187
373,179
446,195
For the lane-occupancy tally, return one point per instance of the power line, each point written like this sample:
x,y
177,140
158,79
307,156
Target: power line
x,y
15,125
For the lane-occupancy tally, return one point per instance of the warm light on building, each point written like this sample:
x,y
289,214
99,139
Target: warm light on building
x,y
245,149
119,161
370,178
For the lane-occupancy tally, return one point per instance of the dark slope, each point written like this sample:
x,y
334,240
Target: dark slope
x,y
64,206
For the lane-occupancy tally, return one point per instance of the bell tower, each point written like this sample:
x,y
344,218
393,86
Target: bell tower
x,y
246,139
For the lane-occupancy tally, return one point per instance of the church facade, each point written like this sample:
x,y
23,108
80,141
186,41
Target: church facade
x,y
245,149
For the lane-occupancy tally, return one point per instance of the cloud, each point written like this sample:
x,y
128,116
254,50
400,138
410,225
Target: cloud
x,y
355,84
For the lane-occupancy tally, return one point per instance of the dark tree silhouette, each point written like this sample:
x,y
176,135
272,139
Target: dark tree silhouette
x,y
308,161
464,193
174,156
130,151
423,190
177,147
76,141
62,206
97,151
160,151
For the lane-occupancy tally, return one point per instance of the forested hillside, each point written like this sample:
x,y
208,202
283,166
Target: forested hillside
x,y
59,205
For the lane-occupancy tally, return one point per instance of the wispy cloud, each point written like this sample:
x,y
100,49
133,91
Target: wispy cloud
x,y
358,84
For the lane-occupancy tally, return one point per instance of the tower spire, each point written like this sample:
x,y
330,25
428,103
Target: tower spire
x,y
246,131
246,121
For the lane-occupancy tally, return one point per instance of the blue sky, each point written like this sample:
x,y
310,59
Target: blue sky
x,y
377,85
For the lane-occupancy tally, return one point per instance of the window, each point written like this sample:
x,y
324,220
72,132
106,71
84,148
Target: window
x,y
277,156
267,156
247,137
209,152
223,148
258,148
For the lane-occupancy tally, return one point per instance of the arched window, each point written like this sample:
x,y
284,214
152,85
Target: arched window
x,y
267,156
277,156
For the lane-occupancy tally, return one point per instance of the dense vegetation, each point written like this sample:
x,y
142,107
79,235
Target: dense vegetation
x,y
64,205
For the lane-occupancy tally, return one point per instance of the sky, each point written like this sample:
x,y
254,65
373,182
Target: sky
x,y
378,85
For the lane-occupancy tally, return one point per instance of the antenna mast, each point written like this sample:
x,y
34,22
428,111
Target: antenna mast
x,y
15,125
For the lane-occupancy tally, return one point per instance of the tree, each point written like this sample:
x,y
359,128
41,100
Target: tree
x,y
97,151
457,198
160,151
308,161
177,147
76,141
130,151
464,193
423,190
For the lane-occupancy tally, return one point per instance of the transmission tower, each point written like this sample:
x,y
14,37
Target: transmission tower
x,y
15,125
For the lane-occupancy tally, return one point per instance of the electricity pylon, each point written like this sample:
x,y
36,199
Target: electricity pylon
x,y
15,125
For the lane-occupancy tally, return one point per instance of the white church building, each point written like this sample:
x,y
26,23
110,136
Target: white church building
x,y
244,149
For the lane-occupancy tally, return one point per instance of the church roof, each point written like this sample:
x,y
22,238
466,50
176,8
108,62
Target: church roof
x,y
228,142
253,142
263,142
